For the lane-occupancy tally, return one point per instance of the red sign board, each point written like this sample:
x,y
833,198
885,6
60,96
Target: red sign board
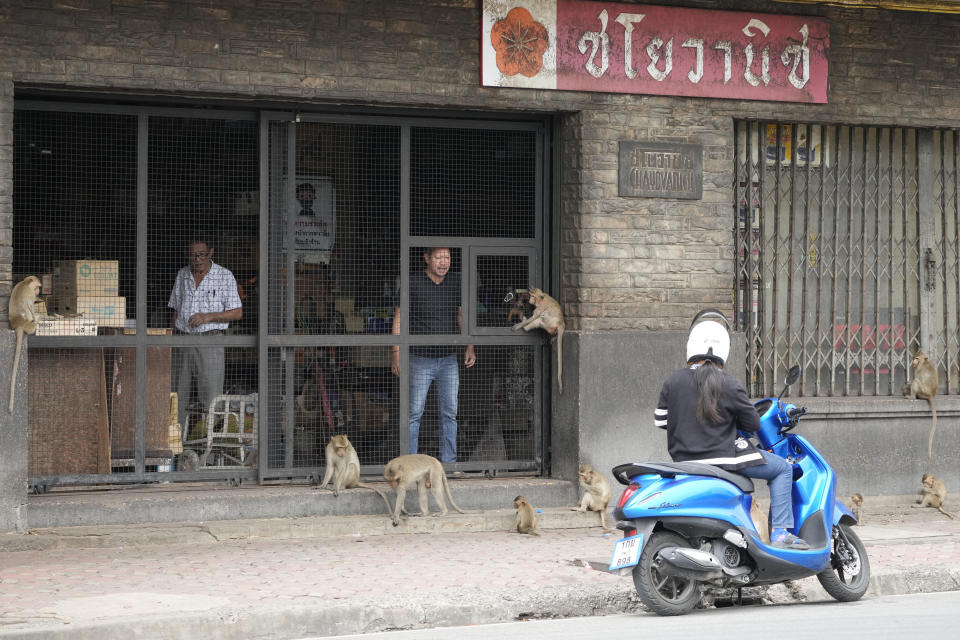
x,y
646,49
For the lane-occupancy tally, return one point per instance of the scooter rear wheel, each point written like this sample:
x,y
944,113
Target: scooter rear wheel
x,y
848,576
663,594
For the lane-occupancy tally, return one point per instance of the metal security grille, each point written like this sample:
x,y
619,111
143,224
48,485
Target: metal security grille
x,y
478,183
109,205
845,239
202,180
335,226
74,207
942,265
323,223
357,210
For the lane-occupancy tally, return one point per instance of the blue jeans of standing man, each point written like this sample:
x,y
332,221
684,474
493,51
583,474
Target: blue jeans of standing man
x,y
779,474
445,372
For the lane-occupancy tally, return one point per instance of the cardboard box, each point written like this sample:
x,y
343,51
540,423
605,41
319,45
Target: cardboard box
x,y
76,278
67,327
107,311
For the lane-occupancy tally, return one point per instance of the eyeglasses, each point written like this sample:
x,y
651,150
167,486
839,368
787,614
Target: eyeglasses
x,y
198,256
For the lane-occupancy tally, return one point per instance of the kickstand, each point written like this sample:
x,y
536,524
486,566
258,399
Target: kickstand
x,y
739,596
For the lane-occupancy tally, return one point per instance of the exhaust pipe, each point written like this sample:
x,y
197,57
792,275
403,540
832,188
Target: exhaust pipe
x,y
691,563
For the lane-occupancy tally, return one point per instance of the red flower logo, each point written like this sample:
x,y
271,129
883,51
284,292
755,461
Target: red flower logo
x,y
520,42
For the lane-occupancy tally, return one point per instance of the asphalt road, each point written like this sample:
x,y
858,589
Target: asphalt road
x,y
929,616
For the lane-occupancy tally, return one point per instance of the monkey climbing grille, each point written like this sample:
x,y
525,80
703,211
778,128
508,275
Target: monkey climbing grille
x,y
846,255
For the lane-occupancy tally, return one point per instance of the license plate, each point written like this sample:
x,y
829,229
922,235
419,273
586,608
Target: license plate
x,y
626,553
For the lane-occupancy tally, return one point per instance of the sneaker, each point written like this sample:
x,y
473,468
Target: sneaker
x,y
455,474
783,539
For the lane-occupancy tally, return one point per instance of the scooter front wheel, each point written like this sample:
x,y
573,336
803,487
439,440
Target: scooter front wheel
x,y
665,595
848,576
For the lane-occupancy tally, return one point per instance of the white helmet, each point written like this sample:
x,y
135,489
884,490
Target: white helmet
x,y
709,337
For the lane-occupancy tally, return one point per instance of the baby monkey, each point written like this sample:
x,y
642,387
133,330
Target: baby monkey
x,y
856,506
526,518
933,494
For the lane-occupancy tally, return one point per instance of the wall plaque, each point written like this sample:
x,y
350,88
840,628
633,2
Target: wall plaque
x,y
660,170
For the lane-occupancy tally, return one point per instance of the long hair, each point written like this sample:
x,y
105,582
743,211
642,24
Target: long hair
x,y
709,381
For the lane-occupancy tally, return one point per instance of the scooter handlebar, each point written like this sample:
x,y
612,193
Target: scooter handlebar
x,y
796,412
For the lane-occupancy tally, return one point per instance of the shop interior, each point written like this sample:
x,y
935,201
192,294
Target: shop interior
x,y
75,225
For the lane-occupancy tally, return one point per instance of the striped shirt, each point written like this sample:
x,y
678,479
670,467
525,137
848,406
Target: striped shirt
x,y
217,292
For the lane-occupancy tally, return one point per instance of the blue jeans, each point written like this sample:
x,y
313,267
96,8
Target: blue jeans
x,y
445,372
779,475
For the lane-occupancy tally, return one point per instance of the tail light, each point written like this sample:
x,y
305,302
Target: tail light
x,y
628,493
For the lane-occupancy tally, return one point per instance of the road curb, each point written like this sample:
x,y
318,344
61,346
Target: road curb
x,y
456,608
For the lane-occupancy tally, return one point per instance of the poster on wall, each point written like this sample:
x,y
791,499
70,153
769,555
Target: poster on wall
x,y
315,221
646,49
808,147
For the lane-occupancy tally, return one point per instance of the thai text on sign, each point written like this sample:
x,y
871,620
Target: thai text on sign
x,y
645,49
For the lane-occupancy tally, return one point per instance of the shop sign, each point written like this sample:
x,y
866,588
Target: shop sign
x,y
660,170
645,49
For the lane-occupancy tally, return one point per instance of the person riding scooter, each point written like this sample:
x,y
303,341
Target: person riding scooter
x,y
705,431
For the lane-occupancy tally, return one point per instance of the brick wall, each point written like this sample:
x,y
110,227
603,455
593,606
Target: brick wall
x,y
625,263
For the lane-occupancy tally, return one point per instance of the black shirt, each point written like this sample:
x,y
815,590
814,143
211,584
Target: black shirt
x,y
433,310
690,440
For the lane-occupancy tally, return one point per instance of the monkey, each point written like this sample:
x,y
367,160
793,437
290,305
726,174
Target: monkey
x,y
924,386
516,309
188,460
22,320
343,467
933,494
760,521
526,519
856,506
427,472
596,494
548,316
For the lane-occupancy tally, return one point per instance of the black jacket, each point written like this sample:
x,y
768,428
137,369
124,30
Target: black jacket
x,y
690,440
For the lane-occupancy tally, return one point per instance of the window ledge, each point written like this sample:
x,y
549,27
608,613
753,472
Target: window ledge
x,y
875,406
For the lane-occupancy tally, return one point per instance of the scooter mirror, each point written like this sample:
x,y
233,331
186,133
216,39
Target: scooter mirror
x,y
793,375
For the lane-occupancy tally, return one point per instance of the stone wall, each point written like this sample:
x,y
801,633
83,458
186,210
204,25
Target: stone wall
x,y
626,264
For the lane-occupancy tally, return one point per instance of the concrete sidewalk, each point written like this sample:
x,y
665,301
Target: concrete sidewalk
x,y
292,578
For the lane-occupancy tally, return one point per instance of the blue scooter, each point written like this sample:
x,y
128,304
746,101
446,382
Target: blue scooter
x,y
687,525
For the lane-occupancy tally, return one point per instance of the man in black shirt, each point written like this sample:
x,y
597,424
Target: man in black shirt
x,y
434,309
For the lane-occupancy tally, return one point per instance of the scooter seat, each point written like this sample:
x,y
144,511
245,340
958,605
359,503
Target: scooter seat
x,y
624,472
